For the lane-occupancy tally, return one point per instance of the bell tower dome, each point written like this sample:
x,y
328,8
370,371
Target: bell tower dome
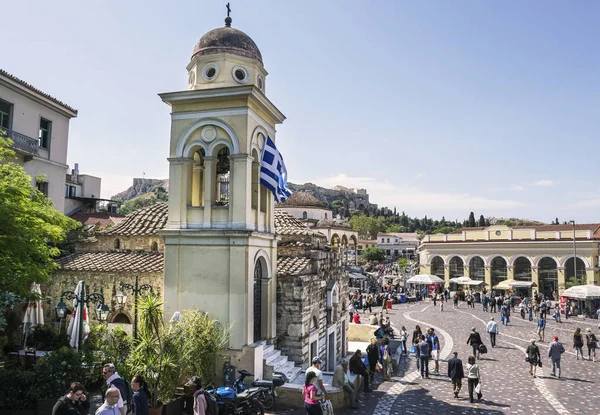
x,y
220,243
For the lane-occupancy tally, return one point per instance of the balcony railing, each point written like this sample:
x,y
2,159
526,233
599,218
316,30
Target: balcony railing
x,y
23,143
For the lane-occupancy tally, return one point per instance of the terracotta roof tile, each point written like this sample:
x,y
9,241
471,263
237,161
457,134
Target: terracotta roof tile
x,y
98,219
286,224
292,265
37,91
113,261
145,221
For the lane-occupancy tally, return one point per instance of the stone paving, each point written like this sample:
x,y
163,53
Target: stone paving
x,y
508,388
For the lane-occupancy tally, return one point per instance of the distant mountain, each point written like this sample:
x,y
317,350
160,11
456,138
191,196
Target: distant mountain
x,y
140,187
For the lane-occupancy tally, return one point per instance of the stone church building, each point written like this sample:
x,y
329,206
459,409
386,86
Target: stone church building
x,y
219,245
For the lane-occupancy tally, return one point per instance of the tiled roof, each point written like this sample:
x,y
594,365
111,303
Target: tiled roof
x,y
113,261
594,227
302,199
37,91
144,221
292,265
98,219
286,224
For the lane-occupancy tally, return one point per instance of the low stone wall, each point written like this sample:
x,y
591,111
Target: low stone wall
x,y
290,395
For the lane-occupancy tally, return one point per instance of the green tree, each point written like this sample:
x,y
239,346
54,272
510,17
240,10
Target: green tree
x,y
402,264
373,254
137,203
30,227
472,222
481,221
366,226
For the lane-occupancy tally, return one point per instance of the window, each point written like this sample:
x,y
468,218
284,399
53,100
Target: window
x,y
70,191
223,167
304,215
117,244
45,130
388,240
42,187
5,111
325,215
154,246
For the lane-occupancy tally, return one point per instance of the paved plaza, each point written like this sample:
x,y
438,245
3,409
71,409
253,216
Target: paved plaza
x,y
508,388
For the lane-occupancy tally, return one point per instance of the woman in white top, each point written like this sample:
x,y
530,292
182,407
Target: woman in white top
x,y
473,377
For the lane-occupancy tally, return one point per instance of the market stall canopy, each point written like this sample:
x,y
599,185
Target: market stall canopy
x,y
356,276
510,284
475,283
582,292
425,279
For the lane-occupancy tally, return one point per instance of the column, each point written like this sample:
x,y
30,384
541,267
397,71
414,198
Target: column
x,y
488,276
467,271
241,176
210,165
510,272
197,187
561,279
447,273
590,276
535,277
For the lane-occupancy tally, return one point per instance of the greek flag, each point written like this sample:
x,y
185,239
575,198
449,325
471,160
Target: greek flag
x,y
273,174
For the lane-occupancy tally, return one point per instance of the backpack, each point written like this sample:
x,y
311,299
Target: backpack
x,y
482,348
211,403
124,390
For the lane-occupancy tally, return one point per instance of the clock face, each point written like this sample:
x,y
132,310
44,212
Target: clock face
x,y
498,233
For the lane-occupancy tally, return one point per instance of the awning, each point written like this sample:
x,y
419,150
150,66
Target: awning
x,y
582,292
425,279
510,284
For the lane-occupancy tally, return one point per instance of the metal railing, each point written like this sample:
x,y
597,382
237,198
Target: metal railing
x,y
23,142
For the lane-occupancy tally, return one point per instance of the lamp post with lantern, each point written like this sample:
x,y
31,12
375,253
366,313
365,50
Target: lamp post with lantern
x,y
82,298
135,290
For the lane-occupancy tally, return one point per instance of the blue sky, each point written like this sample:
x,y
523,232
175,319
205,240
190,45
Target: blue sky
x,y
437,108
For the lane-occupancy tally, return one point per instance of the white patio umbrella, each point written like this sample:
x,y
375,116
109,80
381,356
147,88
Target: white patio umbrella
x,y
75,328
582,292
461,280
425,279
34,313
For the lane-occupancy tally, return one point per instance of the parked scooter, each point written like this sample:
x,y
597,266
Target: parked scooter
x,y
232,403
267,388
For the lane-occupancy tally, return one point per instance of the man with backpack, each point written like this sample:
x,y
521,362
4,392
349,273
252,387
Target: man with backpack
x,y
204,402
113,380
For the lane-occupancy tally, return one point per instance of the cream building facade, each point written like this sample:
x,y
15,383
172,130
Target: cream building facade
x,y
540,254
398,244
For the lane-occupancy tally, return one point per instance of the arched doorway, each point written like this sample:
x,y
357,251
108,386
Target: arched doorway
x,y
477,269
437,266
570,270
121,318
548,275
457,267
259,273
499,270
522,269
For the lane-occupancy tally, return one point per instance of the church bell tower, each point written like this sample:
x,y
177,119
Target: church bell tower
x,y
220,246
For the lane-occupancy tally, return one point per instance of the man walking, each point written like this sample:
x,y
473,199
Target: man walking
x,y
113,380
424,356
456,373
316,368
434,343
554,352
492,329
474,340
340,380
74,402
110,407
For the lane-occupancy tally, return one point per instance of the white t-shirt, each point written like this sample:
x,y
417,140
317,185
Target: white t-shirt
x,y
319,377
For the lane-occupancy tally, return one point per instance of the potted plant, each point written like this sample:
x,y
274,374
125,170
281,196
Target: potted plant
x,y
155,353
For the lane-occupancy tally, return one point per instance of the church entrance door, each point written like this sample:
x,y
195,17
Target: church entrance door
x,y
258,273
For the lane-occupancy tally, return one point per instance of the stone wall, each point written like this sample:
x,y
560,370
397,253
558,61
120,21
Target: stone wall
x,y
98,282
302,300
107,243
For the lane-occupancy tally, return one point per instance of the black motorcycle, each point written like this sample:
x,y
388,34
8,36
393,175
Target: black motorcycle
x,y
232,403
266,388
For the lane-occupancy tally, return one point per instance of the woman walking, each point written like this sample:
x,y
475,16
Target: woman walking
x,y
403,337
416,334
591,340
533,357
578,343
311,399
139,403
373,356
473,377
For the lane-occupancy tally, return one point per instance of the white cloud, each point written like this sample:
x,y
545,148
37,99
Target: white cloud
x,y
585,204
517,188
418,200
544,183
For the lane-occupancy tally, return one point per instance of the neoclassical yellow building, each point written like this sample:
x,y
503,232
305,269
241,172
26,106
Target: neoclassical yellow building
x,y
540,254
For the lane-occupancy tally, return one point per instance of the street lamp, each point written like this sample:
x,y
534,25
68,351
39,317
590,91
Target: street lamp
x,y
135,290
574,251
102,311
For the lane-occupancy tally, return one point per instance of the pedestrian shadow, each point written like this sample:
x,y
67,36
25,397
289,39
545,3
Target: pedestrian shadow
x,y
413,401
504,347
574,379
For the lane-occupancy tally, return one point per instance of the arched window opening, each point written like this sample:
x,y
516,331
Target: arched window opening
x,y
457,267
499,270
325,215
121,318
522,269
548,273
255,178
304,215
477,269
437,266
314,324
575,274
117,243
154,246
198,179
223,176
